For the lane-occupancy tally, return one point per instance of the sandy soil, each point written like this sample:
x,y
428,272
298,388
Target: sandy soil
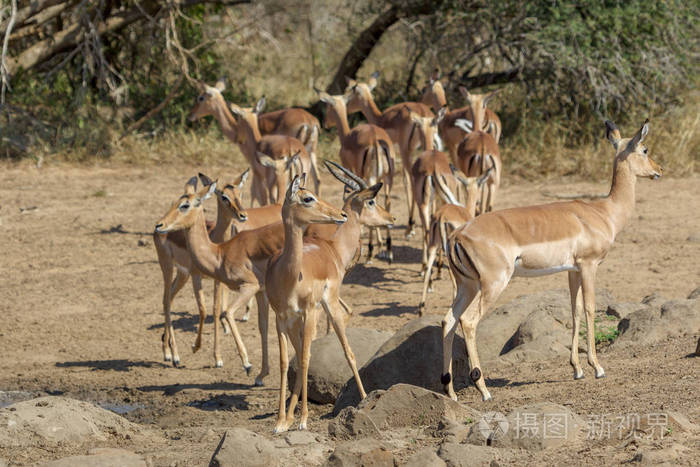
x,y
81,305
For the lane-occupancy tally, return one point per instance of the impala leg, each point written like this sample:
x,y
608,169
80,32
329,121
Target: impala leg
x,y
284,366
296,338
263,319
218,360
491,197
246,314
588,285
245,293
576,309
387,206
199,297
304,358
427,279
224,306
335,312
370,246
410,228
449,326
424,212
170,346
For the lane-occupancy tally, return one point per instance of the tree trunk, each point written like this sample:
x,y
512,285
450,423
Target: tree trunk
x,y
361,48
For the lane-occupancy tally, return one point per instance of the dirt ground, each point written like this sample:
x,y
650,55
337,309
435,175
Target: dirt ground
x,y
82,316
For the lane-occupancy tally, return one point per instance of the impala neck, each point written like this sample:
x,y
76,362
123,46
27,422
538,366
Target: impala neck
x,y
224,221
292,252
206,255
471,205
371,111
621,198
229,125
347,238
477,117
341,122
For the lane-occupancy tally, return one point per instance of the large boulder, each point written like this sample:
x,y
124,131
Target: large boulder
x,y
400,406
239,446
52,420
534,427
426,457
496,333
652,325
328,368
467,455
100,457
413,356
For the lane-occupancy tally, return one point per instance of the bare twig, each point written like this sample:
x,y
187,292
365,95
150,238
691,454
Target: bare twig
x,y
4,74
154,110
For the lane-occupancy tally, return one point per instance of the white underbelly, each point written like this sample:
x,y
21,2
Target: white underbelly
x,y
522,271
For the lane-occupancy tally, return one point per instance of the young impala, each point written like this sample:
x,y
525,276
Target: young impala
x,y
573,236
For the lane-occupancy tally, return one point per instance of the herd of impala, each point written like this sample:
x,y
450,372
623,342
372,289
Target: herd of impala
x,y
293,251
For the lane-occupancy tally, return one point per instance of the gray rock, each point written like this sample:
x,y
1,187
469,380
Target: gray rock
x,y
466,455
496,332
413,356
402,405
652,325
694,294
328,368
300,438
100,457
426,457
534,427
361,453
52,420
621,310
239,446
654,300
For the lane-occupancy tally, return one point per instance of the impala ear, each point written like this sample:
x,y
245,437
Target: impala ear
x,y
491,95
235,109
638,137
260,105
205,195
350,82
302,180
206,181
612,133
191,185
464,124
293,187
435,75
464,92
266,160
292,160
220,84
325,97
372,82
370,192
242,179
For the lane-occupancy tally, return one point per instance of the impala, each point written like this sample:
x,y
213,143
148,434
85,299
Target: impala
x,y
210,101
478,150
434,96
173,254
367,151
572,236
238,263
276,147
397,122
309,273
444,221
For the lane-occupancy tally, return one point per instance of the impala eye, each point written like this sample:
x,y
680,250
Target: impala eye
x,y
184,207
645,151
200,98
308,199
370,202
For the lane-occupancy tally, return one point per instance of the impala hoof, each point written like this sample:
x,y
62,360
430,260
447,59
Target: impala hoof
x,y
302,426
578,374
247,369
600,374
219,364
486,396
245,318
176,362
259,382
167,358
195,347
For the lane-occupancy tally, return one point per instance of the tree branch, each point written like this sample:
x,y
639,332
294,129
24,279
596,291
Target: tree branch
x,y
486,79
